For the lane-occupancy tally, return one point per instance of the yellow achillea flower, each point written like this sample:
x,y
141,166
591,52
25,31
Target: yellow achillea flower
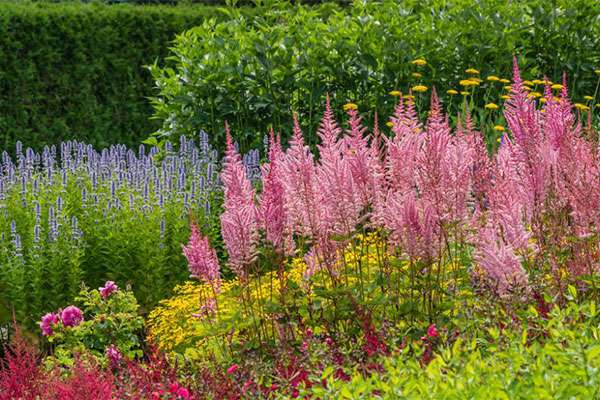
x,y
350,106
588,97
452,92
472,71
528,83
499,128
598,105
409,97
505,97
493,78
468,82
557,86
419,88
395,93
491,106
581,107
417,75
543,100
597,72
537,82
508,87
504,80
465,93
390,124
419,62
527,88
534,95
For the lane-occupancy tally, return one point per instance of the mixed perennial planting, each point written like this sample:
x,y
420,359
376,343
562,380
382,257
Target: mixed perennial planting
x,y
393,229
72,214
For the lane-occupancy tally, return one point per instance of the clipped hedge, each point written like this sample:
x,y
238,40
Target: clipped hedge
x,y
78,70
253,72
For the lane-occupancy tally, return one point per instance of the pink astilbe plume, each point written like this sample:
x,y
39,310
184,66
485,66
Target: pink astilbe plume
x,y
364,167
272,200
298,175
238,221
413,227
202,259
502,267
338,196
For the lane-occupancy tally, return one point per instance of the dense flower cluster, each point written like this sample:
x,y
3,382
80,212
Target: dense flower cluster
x,y
430,188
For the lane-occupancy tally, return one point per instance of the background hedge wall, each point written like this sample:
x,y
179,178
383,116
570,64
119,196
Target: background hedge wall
x,y
77,70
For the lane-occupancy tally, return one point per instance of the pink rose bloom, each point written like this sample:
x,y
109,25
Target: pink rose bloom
x,y
71,316
183,393
109,288
113,354
47,322
432,331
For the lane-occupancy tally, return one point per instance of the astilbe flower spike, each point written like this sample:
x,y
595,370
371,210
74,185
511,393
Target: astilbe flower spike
x,y
239,226
202,259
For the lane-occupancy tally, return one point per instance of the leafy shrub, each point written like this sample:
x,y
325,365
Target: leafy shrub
x,y
502,365
78,214
108,327
77,71
254,71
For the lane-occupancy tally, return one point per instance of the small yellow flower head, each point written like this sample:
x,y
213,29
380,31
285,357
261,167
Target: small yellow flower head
x,y
472,71
417,75
499,139
419,62
597,72
491,106
598,105
504,80
409,97
527,88
389,123
557,86
537,82
465,93
505,97
534,95
528,83
395,93
468,82
508,87
350,106
493,78
581,107
588,98
499,128
419,88
475,79
452,92
543,100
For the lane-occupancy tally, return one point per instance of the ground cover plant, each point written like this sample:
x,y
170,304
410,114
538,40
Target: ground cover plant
x,y
253,71
74,213
423,264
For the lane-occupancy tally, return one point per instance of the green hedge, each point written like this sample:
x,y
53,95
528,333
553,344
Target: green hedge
x,y
78,70
253,72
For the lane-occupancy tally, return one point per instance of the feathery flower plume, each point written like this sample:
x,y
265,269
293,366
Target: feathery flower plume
x,y
202,259
238,221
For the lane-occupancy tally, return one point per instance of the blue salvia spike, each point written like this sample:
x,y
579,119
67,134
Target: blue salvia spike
x,y
59,204
36,233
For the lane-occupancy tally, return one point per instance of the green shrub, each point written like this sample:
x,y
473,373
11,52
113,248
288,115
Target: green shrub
x,y
78,70
254,71
561,362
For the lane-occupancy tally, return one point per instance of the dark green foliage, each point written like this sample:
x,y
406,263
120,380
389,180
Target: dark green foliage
x,y
253,72
78,70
